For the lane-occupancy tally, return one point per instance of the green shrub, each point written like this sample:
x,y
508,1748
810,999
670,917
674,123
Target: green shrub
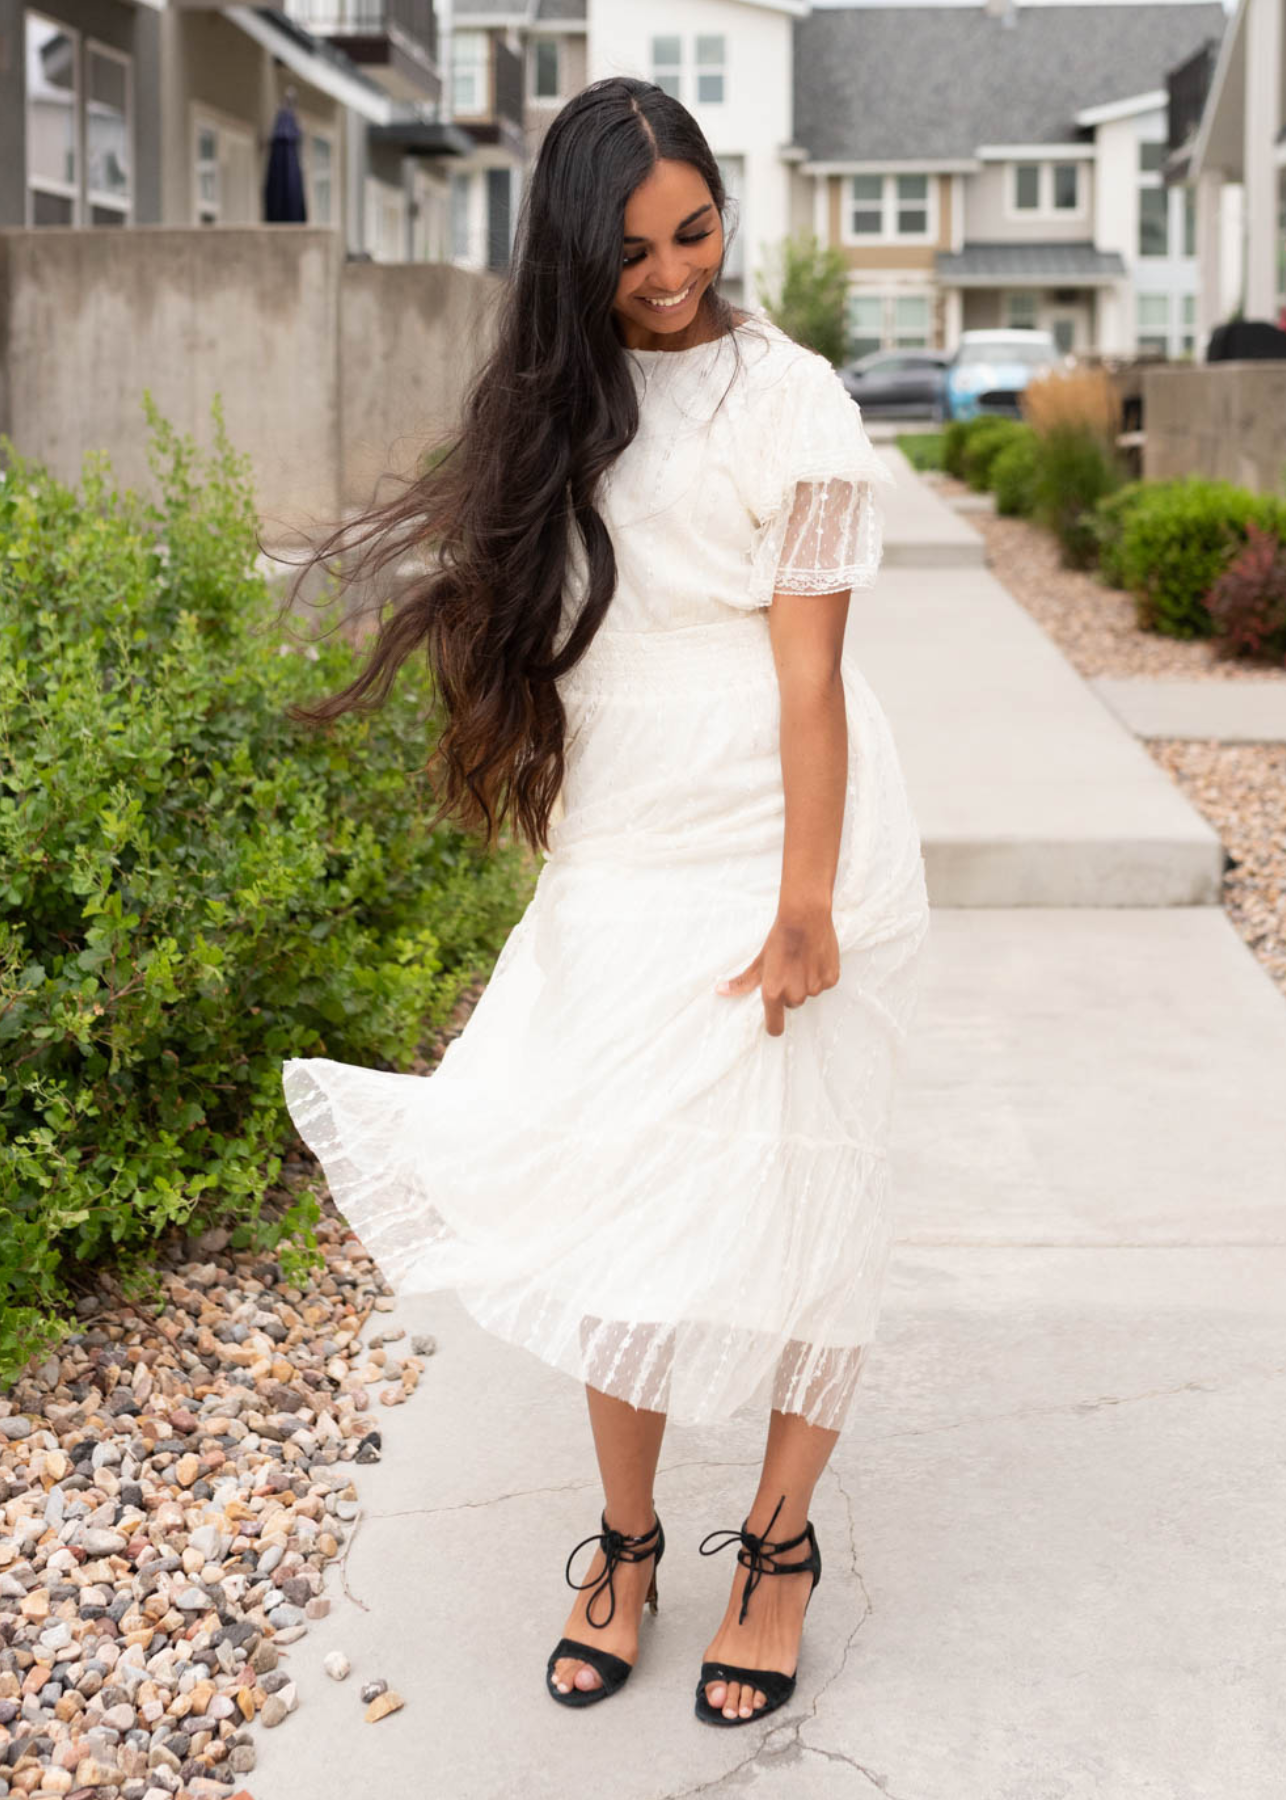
x,y
956,437
192,887
984,445
1175,541
1106,523
1074,470
1013,473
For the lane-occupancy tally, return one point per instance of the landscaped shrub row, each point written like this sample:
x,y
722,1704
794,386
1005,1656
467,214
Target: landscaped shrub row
x,y
1201,558
192,887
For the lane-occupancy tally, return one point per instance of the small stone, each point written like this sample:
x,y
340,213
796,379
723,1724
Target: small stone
x,y
104,1543
187,1469
241,1759
372,1690
273,1710
423,1344
384,1704
337,1666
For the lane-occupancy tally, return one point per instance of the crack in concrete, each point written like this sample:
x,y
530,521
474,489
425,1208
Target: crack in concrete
x,y
1081,1407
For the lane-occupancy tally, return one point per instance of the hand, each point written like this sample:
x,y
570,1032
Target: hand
x,y
800,957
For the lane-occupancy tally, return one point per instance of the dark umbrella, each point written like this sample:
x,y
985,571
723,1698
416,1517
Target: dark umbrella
x,y
283,190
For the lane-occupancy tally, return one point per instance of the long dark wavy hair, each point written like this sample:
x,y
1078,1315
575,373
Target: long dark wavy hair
x,y
550,409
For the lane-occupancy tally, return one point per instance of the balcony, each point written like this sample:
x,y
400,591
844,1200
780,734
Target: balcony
x,y
498,82
395,41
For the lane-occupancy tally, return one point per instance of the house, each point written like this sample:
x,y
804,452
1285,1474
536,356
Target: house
x,y
1228,148
1000,165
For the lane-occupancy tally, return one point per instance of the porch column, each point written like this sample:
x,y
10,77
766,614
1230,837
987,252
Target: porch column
x,y
1263,118
1210,299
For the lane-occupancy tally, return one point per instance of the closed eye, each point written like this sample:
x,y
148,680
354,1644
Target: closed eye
x,y
629,261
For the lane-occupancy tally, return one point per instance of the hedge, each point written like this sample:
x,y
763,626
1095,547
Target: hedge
x,y
193,887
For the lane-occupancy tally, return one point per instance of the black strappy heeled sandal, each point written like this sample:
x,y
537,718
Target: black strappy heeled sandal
x,y
613,1671
757,1554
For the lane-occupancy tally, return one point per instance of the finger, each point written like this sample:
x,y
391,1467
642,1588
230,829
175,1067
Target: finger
x,y
774,1015
742,983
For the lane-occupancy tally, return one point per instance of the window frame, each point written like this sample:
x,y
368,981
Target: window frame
x,y
201,115
890,204
895,340
104,201
547,42
51,186
710,70
477,66
1044,209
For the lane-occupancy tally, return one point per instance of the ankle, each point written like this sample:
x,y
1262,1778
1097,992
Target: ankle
x,y
633,1520
791,1519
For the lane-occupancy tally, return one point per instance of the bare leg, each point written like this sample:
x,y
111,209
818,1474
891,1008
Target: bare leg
x,y
795,1455
627,1441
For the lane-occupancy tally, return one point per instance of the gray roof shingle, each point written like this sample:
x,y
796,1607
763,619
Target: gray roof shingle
x,y
1052,261
894,83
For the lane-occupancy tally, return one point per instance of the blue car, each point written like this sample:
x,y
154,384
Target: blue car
x,y
990,369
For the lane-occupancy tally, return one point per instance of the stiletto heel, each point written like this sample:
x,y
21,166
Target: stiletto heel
x,y
613,1671
756,1554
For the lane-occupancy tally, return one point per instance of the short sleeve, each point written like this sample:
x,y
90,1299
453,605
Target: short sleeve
x,y
819,518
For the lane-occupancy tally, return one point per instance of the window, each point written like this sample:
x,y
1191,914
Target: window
x,y
1066,194
896,320
733,170
1027,186
1044,189
469,72
667,64
79,128
1189,221
1020,308
460,190
546,76
1154,224
499,209
890,207
1188,318
1151,156
107,135
710,60
321,179
224,172
1153,320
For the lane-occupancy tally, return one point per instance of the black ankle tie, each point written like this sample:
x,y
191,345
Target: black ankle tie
x,y
616,1548
755,1553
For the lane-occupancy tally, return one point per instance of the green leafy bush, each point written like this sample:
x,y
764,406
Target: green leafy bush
x,y
1106,523
1013,473
1176,538
983,445
192,886
1074,470
922,449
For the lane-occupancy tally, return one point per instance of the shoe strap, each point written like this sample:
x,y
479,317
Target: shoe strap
x,y
616,1547
757,1554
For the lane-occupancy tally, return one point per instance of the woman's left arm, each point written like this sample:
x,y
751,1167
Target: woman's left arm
x,y
800,955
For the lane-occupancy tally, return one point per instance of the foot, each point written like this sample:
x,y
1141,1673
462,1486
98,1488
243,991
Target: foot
x,y
769,1638
631,1581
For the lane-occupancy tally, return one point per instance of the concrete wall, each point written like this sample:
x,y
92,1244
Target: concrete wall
x,y
329,372
1226,421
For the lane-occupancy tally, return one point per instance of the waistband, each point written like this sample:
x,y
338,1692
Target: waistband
x,y
704,657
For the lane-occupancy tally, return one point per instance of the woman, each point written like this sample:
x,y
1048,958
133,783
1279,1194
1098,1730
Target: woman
x,y
650,1177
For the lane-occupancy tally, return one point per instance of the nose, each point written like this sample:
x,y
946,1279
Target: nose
x,y
671,273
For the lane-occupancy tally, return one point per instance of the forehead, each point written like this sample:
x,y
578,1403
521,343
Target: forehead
x,y
669,195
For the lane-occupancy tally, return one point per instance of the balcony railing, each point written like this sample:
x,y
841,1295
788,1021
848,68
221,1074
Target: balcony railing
x,y
370,18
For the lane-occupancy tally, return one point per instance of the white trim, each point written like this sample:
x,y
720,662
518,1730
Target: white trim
x,y
226,125
378,108
908,165
1229,47
1036,152
1112,110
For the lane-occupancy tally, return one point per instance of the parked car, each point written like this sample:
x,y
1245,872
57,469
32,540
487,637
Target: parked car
x,y
990,369
907,383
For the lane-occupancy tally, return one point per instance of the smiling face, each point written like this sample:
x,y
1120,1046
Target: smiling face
x,y
673,244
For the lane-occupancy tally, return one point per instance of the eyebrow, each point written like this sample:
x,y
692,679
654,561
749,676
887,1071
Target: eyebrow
x,y
679,227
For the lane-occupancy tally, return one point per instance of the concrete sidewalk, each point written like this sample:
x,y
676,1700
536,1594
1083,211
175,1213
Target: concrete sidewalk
x,y
1051,1530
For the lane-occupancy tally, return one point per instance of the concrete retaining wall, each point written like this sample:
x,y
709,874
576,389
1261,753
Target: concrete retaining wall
x,y
330,372
1223,420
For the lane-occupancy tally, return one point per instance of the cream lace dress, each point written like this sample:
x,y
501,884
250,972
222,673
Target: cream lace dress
x,y
615,1166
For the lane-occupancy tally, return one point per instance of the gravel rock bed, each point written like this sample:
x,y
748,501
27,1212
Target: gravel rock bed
x,y
173,1485
1241,789
1092,624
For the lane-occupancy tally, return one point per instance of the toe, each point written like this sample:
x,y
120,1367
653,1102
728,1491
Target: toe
x,y
760,1699
732,1700
586,1678
715,1691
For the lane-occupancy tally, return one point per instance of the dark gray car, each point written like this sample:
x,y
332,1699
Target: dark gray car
x,y
906,383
